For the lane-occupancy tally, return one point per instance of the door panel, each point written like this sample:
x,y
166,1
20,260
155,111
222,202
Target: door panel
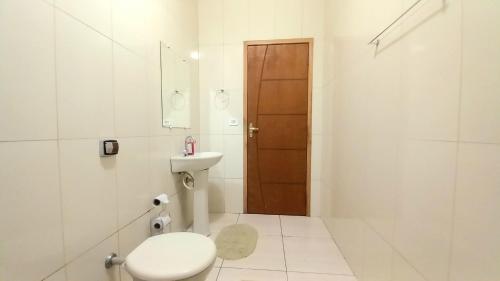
x,y
283,97
286,199
286,61
282,132
278,106
282,166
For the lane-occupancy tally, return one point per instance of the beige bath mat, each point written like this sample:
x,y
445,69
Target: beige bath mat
x,y
236,242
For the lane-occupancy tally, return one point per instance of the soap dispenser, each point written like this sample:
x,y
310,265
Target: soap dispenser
x,y
189,145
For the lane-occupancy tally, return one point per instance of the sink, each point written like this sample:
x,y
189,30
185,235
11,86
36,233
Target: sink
x,y
198,162
194,169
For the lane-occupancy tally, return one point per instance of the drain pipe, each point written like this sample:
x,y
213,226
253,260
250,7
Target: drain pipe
x,y
187,180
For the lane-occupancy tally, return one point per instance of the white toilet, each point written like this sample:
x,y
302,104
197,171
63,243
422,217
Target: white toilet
x,y
172,257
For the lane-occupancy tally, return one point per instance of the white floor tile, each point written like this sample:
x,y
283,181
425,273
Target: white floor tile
x,y
212,276
268,256
303,227
318,255
296,276
219,221
265,225
230,274
218,261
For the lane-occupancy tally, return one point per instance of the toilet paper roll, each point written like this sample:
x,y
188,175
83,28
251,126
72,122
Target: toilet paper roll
x,y
159,224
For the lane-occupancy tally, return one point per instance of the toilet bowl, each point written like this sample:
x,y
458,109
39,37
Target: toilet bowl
x,y
172,257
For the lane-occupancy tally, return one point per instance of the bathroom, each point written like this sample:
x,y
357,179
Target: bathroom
x,y
382,160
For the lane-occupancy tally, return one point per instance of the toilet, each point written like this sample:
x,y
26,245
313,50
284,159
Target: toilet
x,y
171,257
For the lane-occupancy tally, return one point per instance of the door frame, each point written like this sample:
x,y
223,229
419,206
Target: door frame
x,y
310,42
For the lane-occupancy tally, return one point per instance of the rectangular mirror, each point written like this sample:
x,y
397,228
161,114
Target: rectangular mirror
x,y
177,76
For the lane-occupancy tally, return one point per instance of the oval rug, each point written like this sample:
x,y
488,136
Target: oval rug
x,y
236,241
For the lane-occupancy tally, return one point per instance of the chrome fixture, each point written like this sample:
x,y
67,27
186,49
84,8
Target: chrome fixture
x,y
111,260
251,130
376,40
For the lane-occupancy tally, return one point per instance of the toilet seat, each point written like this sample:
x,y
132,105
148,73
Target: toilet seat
x,y
173,256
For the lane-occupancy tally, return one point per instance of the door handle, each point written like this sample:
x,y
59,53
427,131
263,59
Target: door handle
x,y
251,130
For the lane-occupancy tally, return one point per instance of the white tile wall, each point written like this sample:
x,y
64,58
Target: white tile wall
x,y
475,245
411,166
131,106
73,72
86,180
94,13
480,98
84,80
223,27
27,78
31,207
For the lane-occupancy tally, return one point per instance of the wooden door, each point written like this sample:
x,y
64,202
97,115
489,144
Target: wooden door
x,y
278,95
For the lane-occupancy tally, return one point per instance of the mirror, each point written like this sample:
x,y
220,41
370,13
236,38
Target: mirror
x,y
177,76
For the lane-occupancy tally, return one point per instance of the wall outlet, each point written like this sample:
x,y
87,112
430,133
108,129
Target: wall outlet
x,y
233,122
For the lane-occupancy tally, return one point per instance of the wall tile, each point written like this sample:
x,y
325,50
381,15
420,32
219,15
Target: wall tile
x,y
377,264
211,22
431,71
131,102
27,80
316,156
233,154
131,237
318,62
315,198
235,21
90,265
58,276
84,80
424,214
214,143
476,246
181,211
313,22
317,111
234,196
132,173
86,180
216,195
162,180
30,198
403,271
212,104
233,66
288,21
480,98
95,13
129,24
261,19
234,111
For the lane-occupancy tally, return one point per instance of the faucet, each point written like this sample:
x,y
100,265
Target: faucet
x,y
189,146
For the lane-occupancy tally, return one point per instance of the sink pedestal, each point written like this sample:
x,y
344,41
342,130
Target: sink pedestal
x,y
201,223
198,165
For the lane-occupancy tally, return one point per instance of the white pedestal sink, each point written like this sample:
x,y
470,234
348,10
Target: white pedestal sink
x,y
198,166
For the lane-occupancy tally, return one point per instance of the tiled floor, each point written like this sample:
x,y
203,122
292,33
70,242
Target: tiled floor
x,y
288,249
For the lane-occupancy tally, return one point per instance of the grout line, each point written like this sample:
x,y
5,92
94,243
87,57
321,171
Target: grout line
x,y
283,245
457,152
167,135
255,269
99,243
58,143
218,273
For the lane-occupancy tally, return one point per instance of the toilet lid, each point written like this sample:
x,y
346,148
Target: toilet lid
x,y
172,256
